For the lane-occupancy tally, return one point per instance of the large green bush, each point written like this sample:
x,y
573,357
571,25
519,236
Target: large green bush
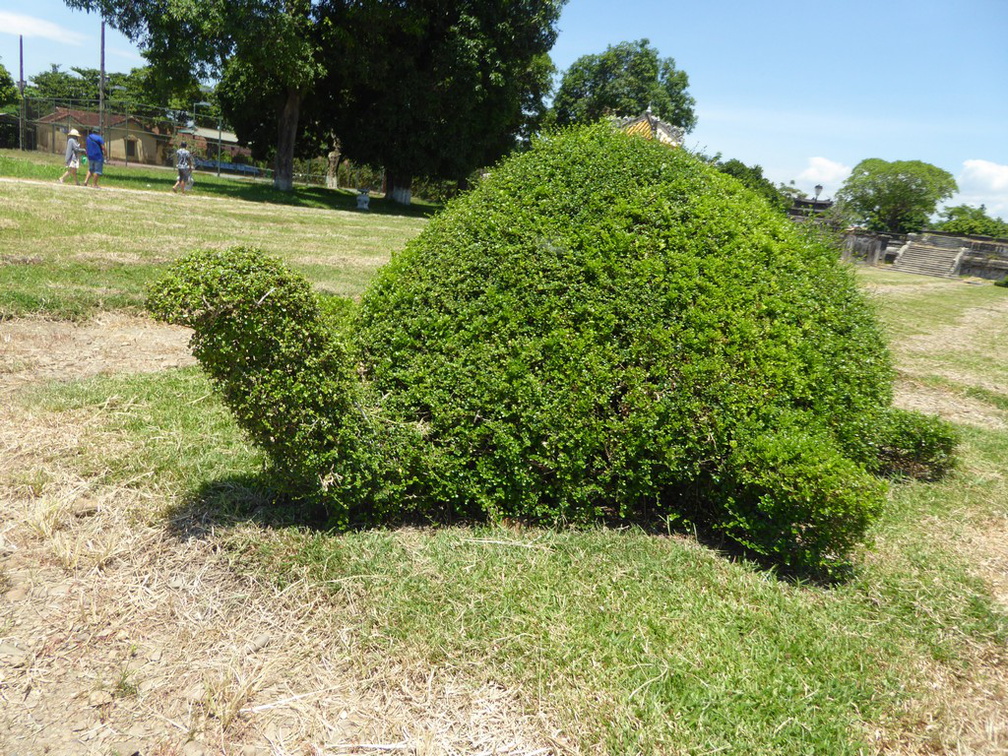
x,y
604,329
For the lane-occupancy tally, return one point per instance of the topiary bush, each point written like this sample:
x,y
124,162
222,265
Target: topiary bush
x,y
604,329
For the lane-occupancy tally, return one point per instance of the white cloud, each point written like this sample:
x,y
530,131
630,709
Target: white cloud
x,y
820,170
985,176
29,26
982,182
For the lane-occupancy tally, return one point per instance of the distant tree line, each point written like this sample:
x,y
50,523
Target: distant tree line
x,y
434,89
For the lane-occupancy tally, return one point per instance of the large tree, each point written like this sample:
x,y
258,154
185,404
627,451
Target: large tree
x,y
436,88
275,38
624,80
898,197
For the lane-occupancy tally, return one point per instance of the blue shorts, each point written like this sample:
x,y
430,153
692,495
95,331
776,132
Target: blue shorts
x,y
95,166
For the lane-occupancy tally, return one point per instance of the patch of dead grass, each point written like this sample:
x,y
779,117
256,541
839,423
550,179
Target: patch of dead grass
x,y
124,623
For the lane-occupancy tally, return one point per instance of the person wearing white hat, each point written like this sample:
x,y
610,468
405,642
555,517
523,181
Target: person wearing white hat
x,y
73,151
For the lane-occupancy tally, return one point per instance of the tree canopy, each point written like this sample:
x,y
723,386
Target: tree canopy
x,y
184,39
8,89
624,80
56,84
436,88
898,197
779,197
140,88
972,221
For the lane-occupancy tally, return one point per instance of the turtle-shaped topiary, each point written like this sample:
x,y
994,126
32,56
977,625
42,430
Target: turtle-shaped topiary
x,y
603,329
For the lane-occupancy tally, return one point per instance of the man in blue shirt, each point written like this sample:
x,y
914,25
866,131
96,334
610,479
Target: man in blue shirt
x,y
95,146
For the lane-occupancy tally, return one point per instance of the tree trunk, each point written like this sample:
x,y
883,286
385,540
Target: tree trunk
x,y
283,174
398,187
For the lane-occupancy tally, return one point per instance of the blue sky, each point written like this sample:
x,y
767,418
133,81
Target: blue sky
x,y
804,90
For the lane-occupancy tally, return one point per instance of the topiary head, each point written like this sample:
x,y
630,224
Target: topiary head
x,y
245,307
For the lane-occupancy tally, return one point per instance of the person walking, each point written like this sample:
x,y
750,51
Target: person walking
x,y
184,164
72,160
95,147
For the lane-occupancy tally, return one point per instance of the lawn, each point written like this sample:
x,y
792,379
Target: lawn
x,y
70,252
476,638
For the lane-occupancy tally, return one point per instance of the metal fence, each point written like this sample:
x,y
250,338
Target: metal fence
x,y
141,135
133,133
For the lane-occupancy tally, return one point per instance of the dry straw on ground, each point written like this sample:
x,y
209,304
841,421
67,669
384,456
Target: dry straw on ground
x,y
122,632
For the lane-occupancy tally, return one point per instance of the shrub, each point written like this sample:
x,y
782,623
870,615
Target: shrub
x,y
603,329
912,445
271,349
1002,282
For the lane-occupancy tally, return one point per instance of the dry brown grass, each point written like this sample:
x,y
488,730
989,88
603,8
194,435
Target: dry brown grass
x,y
123,627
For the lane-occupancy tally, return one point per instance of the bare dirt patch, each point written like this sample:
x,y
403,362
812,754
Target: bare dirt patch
x,y
913,395
34,349
124,629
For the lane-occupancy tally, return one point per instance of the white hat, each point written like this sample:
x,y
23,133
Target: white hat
x,y
73,132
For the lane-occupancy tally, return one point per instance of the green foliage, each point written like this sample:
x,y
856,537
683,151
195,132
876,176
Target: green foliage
x,y
896,197
8,89
54,84
264,340
456,82
603,329
752,178
1002,282
791,494
624,81
912,445
971,221
141,89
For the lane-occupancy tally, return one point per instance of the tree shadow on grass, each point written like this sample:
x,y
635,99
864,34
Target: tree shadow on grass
x,y
317,197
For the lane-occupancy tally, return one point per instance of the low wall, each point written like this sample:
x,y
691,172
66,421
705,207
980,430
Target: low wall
x,y
871,248
985,257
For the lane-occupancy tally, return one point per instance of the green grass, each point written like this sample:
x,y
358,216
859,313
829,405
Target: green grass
x,y
630,642
43,166
636,642
70,252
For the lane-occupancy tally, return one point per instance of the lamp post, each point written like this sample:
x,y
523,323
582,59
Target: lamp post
x,y
815,200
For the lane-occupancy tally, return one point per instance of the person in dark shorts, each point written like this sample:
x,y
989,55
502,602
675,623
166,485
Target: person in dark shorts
x,y
184,164
95,148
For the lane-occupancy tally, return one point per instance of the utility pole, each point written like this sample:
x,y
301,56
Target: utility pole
x,y
101,86
21,86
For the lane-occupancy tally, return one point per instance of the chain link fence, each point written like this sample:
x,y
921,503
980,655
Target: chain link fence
x,y
134,134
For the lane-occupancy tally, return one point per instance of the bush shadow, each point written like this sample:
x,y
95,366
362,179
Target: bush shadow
x,y
253,499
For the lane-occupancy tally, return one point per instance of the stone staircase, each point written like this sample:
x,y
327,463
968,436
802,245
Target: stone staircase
x,y
930,255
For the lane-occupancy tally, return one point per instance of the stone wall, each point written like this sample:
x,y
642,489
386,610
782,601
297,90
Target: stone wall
x,y
871,248
985,257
